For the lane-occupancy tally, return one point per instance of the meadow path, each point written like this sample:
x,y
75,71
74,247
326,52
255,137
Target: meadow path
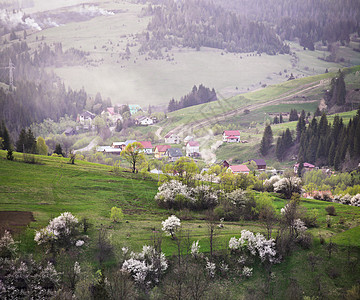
x,y
189,127
91,145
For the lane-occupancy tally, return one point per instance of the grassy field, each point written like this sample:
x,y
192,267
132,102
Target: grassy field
x,y
90,190
142,81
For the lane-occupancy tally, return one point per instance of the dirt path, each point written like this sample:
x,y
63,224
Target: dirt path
x,y
185,128
158,131
89,147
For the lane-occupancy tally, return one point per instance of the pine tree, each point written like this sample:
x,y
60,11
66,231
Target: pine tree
x,y
58,149
266,141
279,151
317,113
281,119
276,120
4,133
301,126
20,144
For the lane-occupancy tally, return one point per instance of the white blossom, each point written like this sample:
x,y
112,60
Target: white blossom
x,y
210,267
77,268
355,201
299,226
195,247
79,243
247,272
169,190
171,224
256,244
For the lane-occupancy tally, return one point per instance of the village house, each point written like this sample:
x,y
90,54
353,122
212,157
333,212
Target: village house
x,y
173,154
188,139
70,131
144,121
148,148
260,163
86,119
112,115
307,167
160,150
192,148
239,169
231,136
172,138
118,145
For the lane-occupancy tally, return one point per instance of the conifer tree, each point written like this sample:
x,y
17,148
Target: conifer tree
x,y
4,133
266,141
281,118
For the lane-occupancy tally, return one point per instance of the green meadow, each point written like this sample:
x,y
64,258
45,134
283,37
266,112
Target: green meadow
x,y
53,186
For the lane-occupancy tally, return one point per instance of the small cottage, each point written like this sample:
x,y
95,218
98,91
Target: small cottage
x,y
172,138
231,136
160,150
239,169
148,148
174,154
192,148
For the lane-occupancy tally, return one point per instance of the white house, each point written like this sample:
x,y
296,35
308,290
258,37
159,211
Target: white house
x,y
239,169
172,138
148,148
144,121
231,136
192,147
86,119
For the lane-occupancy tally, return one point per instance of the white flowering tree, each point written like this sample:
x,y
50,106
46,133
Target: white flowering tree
x,y
257,244
8,246
146,267
288,186
62,231
203,197
171,225
355,201
173,194
269,183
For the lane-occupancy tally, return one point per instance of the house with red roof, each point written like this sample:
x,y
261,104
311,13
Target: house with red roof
x,y
307,167
160,150
231,136
192,148
148,148
239,169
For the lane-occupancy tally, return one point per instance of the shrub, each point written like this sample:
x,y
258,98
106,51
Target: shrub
x,y
116,214
330,210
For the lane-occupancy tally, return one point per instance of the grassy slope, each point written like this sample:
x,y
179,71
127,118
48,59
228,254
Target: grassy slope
x,y
90,190
157,81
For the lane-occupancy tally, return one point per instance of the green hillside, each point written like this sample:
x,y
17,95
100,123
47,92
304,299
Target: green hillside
x,y
53,186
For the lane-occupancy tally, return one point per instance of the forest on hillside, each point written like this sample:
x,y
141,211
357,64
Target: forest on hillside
x,y
38,94
198,24
308,20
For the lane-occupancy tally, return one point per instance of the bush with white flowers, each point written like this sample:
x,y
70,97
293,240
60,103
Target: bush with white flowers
x,y
8,246
147,266
203,197
355,201
256,245
288,186
195,248
171,193
27,279
269,183
247,272
61,231
210,267
171,225
238,197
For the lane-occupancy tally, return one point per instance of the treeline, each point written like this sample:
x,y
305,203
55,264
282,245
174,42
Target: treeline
x,y
196,96
309,20
38,95
322,143
196,23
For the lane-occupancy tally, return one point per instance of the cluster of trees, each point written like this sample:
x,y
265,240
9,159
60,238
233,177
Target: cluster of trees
x,y
335,144
39,95
322,143
196,96
337,93
198,23
308,20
